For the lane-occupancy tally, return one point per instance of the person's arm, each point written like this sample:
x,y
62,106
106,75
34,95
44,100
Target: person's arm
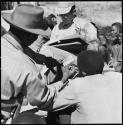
x,y
41,95
65,98
41,59
91,33
86,30
38,58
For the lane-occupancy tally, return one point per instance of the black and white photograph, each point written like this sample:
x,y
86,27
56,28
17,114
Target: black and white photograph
x,y
61,62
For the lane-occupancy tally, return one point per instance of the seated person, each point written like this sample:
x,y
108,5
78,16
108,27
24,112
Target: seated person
x,y
72,26
116,48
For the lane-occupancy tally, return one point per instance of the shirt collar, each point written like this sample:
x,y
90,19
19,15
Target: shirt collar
x,y
13,40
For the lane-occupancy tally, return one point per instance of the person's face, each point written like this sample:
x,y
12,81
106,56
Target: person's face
x,y
115,30
67,18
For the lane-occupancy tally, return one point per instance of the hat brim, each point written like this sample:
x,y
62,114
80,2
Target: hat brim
x,y
7,17
63,10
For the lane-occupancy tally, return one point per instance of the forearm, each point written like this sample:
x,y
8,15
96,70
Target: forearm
x,y
41,95
65,98
38,58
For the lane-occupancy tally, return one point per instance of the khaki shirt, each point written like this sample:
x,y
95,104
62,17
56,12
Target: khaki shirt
x,y
20,75
99,98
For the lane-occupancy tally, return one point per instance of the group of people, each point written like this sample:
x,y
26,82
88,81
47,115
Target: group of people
x,y
72,88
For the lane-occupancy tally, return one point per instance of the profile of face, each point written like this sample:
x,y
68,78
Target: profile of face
x,y
115,30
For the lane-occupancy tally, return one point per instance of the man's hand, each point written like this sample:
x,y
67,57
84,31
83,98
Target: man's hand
x,y
51,62
68,71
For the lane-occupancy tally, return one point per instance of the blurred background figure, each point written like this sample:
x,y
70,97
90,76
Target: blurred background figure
x,y
103,48
116,47
116,28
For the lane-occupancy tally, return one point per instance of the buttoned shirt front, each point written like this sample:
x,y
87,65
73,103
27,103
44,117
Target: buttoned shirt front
x,y
20,75
98,97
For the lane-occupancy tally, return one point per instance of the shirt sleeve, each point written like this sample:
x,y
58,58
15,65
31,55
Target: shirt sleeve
x,y
85,29
39,94
65,98
90,33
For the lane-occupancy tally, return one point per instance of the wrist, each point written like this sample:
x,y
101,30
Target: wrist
x,y
64,80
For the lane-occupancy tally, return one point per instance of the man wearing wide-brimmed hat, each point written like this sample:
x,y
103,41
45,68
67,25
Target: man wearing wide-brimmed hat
x,y
20,76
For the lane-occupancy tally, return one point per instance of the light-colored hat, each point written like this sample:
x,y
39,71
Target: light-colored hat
x,y
29,18
64,7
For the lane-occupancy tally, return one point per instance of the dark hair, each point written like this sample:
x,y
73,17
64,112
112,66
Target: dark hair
x,y
90,62
118,25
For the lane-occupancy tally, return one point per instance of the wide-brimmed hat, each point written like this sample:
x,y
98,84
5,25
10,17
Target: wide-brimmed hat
x,y
29,18
64,7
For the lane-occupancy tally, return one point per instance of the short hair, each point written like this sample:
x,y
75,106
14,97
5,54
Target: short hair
x,y
118,25
90,62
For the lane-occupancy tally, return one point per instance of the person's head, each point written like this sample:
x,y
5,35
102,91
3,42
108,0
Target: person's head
x,y
27,118
116,28
90,62
66,11
26,23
